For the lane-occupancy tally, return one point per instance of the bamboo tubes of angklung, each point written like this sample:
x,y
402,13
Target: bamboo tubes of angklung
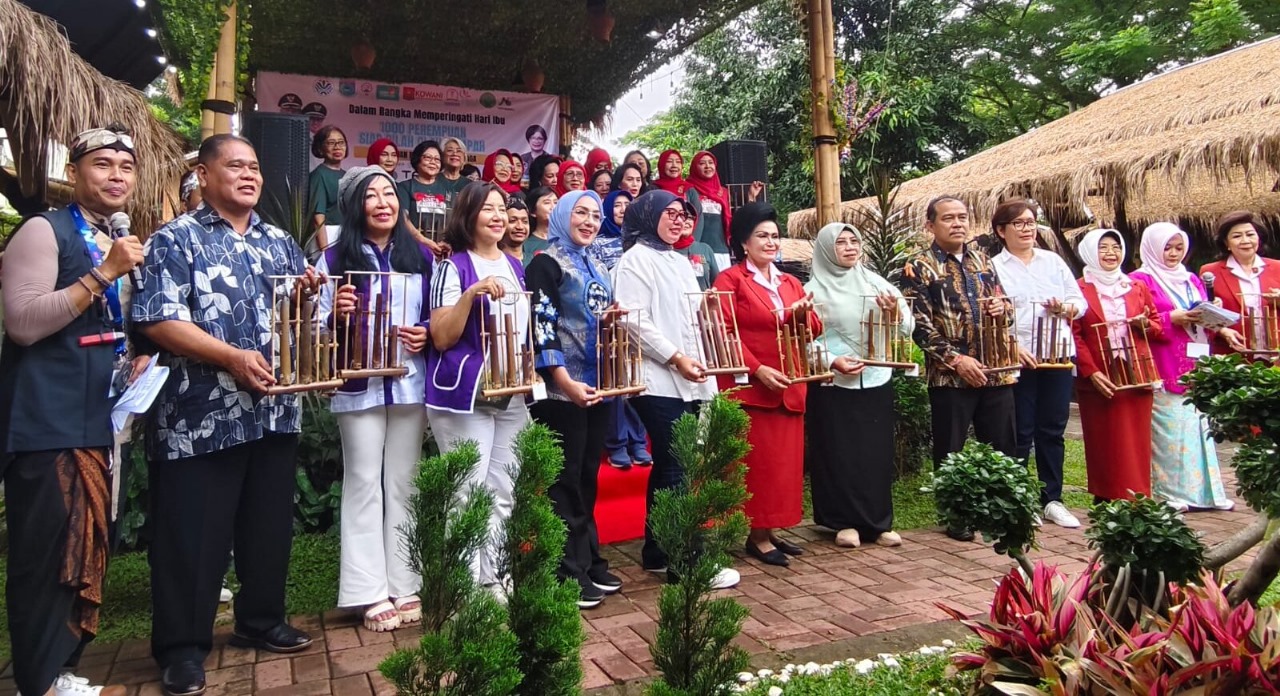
x,y
286,350
306,356
509,326
491,346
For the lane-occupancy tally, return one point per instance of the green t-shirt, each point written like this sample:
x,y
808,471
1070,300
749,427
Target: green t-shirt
x,y
710,227
532,246
425,205
704,263
323,189
454,185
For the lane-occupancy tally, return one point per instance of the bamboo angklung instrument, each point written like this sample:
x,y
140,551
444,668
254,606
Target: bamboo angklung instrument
x,y
286,347
306,353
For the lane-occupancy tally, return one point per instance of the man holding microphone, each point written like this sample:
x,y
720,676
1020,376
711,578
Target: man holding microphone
x,y
64,351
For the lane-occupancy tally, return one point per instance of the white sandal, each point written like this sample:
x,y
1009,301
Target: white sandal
x,y
377,625
411,615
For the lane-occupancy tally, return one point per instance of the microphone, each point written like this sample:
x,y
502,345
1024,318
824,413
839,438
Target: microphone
x,y
119,226
1207,279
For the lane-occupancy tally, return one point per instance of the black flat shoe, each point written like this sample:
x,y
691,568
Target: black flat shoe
x,y
281,639
184,678
787,547
775,557
960,534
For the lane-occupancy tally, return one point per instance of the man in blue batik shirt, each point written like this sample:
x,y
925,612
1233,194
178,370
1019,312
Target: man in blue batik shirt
x,y
221,450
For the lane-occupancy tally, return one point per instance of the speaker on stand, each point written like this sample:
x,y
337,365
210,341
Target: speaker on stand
x,y
742,162
283,143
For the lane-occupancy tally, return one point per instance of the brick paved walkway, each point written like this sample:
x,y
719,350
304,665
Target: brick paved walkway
x,y
830,599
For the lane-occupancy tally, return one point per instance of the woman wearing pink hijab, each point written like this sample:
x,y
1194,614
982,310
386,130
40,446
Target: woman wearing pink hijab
x,y
1184,463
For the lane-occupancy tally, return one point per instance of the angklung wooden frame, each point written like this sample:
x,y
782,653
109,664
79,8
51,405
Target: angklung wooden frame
x,y
303,348
1260,325
715,321
1127,362
371,335
619,364
884,344
508,362
804,357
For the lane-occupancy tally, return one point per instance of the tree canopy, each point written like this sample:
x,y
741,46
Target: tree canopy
x,y
955,77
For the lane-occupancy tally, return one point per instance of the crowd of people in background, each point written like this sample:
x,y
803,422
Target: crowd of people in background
x,y
564,247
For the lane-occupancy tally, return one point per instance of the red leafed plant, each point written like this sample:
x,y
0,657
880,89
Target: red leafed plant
x,y
1055,638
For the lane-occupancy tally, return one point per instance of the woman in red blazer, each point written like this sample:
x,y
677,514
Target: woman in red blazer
x,y
763,297
1242,269
1116,424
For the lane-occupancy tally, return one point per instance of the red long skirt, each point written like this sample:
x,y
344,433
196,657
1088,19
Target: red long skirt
x,y
1117,441
775,467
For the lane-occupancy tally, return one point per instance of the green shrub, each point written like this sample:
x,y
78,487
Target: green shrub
x,y
543,610
466,649
1148,536
696,524
981,489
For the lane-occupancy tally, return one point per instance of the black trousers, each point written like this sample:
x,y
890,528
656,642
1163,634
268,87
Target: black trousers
x,y
40,606
990,410
582,434
1042,401
201,505
659,415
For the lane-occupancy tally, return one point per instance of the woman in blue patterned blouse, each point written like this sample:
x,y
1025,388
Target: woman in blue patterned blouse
x,y
571,291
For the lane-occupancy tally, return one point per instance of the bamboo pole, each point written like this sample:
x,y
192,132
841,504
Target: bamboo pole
x,y
821,76
225,70
206,115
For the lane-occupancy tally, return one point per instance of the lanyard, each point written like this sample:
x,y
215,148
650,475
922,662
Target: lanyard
x,y
112,293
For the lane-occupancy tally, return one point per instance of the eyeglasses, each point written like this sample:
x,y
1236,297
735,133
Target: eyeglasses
x,y
335,143
853,242
1022,224
590,214
429,158
675,215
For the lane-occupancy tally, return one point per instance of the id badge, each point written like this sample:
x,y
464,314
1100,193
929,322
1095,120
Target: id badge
x,y
1196,350
539,390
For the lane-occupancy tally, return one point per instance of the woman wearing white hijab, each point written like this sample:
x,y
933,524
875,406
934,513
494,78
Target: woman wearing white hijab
x,y
1117,446
1184,464
849,424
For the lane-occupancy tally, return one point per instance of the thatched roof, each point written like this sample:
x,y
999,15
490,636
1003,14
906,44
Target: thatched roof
x,y
464,43
1192,139
49,94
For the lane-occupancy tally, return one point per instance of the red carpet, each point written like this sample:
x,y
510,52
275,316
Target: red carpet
x,y
620,502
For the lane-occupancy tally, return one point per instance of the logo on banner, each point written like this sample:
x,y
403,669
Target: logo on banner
x,y
323,87
347,88
411,93
388,93
488,101
453,97
366,88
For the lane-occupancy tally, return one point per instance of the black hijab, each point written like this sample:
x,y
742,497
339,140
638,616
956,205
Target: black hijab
x,y
640,223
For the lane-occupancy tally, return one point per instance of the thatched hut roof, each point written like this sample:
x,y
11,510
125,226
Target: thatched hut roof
x,y
1198,138
48,94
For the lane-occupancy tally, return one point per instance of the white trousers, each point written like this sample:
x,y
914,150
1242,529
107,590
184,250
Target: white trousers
x,y
494,432
381,448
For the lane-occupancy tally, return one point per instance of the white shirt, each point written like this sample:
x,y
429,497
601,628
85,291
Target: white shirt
x,y
406,298
1250,280
770,284
1030,285
654,287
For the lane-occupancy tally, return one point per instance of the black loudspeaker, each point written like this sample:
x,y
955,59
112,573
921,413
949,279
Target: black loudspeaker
x,y
283,142
742,162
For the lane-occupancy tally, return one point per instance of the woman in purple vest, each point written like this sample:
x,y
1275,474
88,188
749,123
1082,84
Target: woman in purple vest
x,y
475,279
381,419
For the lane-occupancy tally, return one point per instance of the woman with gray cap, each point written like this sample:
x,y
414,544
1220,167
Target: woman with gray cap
x,y
381,419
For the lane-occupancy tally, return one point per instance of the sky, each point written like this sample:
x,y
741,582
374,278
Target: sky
x,y
637,107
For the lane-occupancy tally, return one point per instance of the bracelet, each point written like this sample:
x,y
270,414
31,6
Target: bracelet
x,y
85,285
102,280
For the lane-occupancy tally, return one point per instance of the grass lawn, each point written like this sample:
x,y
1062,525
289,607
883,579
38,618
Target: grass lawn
x,y
126,606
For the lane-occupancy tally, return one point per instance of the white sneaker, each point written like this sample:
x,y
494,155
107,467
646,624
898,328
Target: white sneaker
x,y
225,596
1058,514
68,684
726,578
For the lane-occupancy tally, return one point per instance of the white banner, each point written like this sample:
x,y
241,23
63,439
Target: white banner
x,y
409,114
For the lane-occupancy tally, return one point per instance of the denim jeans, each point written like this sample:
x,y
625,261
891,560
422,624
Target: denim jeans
x,y
659,414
